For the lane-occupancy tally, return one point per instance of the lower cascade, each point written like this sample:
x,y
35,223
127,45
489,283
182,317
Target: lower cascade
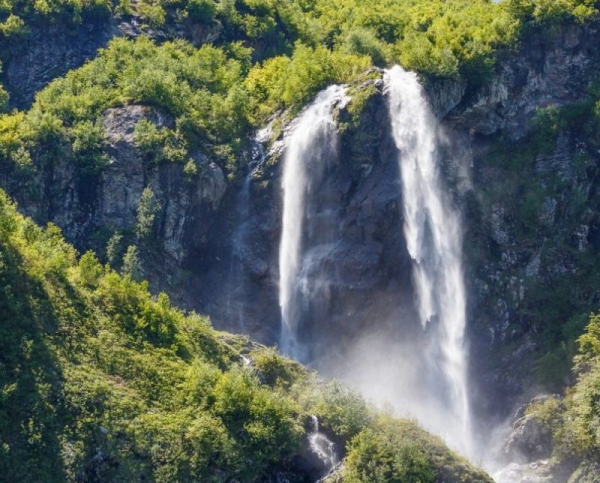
x,y
322,446
434,240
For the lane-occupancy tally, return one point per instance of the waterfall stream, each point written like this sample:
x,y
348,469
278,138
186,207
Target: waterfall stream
x,y
434,240
236,280
311,144
322,446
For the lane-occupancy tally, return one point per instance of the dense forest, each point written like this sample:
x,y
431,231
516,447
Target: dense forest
x,y
102,378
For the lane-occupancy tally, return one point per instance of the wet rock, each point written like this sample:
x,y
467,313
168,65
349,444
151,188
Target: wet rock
x,y
529,440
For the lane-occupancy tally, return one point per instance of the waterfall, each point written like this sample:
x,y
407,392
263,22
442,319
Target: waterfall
x,y
311,144
433,235
236,280
322,446
422,373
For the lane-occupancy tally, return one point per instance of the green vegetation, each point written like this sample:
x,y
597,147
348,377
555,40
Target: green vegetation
x,y
198,87
100,381
271,54
574,421
398,451
202,89
96,376
16,15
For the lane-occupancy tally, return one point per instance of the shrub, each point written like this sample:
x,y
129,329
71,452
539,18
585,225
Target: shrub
x,y
262,418
361,42
131,263
148,208
90,269
385,455
88,147
341,410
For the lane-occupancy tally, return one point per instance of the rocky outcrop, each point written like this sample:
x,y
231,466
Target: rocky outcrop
x,y
365,267
530,439
530,452
181,198
91,207
550,68
528,207
48,50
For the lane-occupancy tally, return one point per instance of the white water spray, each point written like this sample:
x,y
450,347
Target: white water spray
x,y
312,139
434,240
322,446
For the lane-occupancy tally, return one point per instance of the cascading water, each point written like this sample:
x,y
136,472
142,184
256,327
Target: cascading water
x,y
434,240
239,244
322,446
312,142
421,373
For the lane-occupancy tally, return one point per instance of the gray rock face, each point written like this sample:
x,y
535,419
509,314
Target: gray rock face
x,y
125,179
549,69
364,269
529,440
48,52
91,207
530,217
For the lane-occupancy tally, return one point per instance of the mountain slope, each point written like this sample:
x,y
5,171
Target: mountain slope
x,y
101,382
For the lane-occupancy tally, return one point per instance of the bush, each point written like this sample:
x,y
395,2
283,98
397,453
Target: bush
x,y
131,263
342,410
148,208
361,42
276,369
262,418
385,455
391,451
88,147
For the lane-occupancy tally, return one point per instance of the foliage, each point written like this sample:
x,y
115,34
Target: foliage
x,y
276,370
198,87
544,12
292,82
378,456
272,54
131,263
92,364
17,14
159,145
114,249
342,410
87,145
148,208
399,451
574,421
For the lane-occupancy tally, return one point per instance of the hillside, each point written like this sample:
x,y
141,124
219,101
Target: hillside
x,y
102,382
